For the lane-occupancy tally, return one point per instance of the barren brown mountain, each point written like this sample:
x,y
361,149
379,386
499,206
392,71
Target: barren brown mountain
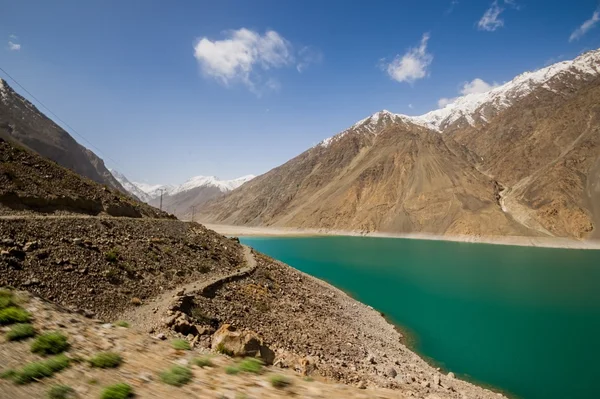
x,y
23,123
521,159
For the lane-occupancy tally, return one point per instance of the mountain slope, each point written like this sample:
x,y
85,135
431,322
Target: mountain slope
x,y
31,184
23,123
520,159
400,178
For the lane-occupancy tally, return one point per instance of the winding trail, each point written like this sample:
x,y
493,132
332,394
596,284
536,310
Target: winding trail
x,y
149,315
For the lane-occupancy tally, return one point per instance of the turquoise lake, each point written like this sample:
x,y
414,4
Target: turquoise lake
x,y
521,319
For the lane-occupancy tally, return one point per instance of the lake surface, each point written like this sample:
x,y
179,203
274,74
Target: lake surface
x,y
525,320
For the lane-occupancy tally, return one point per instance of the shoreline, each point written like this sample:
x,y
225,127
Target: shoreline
x,y
541,242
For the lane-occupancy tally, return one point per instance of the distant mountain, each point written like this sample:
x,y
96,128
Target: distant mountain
x,y
520,159
179,199
22,123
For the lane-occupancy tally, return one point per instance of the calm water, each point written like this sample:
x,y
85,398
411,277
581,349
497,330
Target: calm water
x,y
525,320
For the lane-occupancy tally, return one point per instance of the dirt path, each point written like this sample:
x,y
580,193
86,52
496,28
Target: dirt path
x,y
148,316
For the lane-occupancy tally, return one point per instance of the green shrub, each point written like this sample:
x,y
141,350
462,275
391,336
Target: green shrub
x,y
20,331
181,344
51,343
111,256
13,314
251,365
279,381
6,299
204,361
106,360
176,376
37,370
122,323
232,370
221,348
117,391
8,374
61,392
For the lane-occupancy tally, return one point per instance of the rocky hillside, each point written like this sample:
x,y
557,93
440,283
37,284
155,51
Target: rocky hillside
x,y
521,159
32,184
22,123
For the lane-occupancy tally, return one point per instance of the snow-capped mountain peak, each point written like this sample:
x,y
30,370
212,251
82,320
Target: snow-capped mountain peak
x,y
478,107
473,106
211,181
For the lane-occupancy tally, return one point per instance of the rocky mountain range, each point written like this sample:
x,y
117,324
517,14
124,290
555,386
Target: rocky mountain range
x,y
179,199
22,123
520,159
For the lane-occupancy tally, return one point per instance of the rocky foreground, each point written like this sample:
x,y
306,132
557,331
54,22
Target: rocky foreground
x,y
171,279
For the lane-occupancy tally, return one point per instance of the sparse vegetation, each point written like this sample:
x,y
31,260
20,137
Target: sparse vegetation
x,y
106,360
51,343
111,256
122,323
13,314
8,374
251,365
176,376
38,370
222,349
20,331
181,344
61,392
204,361
117,391
6,299
279,381
232,370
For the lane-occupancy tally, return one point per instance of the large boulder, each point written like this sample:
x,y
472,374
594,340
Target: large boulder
x,y
227,339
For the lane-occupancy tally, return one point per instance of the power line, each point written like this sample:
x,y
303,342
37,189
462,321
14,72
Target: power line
x,y
59,119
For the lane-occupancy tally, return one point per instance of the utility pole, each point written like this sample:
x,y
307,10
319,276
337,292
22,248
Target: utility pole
x,y
162,190
193,212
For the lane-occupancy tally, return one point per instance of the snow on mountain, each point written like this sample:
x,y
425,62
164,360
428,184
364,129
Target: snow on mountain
x,y
132,188
147,192
211,181
475,107
501,97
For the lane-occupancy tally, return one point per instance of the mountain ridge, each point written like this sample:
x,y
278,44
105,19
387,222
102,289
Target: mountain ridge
x,y
337,184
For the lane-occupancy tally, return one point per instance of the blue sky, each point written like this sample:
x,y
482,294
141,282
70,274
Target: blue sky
x,y
169,90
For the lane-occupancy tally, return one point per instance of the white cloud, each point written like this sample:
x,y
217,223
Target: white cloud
x,y
585,27
306,56
490,21
442,102
14,46
410,106
242,55
13,37
475,86
412,65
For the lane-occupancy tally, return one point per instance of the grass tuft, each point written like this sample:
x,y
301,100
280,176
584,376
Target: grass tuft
x,y
106,360
12,314
280,381
222,349
111,256
122,323
232,370
19,332
181,344
51,343
38,370
251,365
61,392
204,361
117,391
176,376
